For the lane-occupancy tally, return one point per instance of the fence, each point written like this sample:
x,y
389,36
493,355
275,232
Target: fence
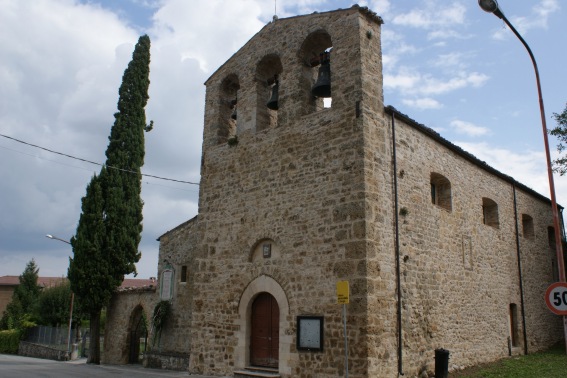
x,y
57,337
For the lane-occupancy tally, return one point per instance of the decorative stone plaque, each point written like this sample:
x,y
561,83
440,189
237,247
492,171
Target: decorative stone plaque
x,y
166,287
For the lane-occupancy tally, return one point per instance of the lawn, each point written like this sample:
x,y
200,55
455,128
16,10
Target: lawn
x,y
549,364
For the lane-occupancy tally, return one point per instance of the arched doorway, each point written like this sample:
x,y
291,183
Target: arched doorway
x,y
138,332
264,335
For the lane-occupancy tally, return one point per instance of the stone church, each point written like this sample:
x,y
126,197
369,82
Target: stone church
x,y
308,180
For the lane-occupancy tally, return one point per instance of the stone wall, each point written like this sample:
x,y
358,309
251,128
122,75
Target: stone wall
x,y
41,351
121,315
460,275
298,186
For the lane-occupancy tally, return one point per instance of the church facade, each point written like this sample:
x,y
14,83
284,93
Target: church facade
x,y
308,180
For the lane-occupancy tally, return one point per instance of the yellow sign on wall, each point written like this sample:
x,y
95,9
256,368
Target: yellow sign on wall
x,y
342,292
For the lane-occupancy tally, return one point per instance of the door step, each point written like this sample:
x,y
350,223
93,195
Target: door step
x,y
256,372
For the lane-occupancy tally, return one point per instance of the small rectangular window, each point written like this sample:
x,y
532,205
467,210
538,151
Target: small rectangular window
x,y
184,273
433,194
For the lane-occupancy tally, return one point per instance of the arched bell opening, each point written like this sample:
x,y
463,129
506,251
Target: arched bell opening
x,y
268,76
228,114
316,79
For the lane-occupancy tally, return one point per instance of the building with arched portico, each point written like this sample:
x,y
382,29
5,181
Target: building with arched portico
x,y
439,249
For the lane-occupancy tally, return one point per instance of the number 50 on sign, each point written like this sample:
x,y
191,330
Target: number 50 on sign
x,y
556,298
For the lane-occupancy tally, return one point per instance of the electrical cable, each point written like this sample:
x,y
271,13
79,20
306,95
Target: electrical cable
x,y
95,163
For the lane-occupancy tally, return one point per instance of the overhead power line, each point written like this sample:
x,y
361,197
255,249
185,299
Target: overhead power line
x,y
93,162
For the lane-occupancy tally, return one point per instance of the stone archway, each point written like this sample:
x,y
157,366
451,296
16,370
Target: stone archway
x,y
137,330
263,285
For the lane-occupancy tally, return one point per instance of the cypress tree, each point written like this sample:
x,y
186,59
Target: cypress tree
x,y
105,246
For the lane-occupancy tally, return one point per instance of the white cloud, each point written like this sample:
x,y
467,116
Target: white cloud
x,y
528,168
423,103
432,16
468,128
411,81
538,19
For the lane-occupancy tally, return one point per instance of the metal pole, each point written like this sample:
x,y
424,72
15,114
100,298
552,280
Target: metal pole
x,y
70,323
346,341
492,6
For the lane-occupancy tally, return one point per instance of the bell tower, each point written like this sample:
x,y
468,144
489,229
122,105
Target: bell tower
x,y
293,132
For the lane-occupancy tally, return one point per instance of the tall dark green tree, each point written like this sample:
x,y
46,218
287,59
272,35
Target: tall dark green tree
x,y
24,299
105,246
560,131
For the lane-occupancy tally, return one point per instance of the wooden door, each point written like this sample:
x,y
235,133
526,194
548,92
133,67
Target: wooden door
x,y
264,335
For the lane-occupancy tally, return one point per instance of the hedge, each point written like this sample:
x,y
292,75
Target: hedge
x,y
9,341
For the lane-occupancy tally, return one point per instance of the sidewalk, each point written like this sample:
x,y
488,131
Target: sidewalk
x,y
138,369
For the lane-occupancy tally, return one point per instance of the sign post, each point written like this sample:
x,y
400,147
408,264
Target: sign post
x,y
343,298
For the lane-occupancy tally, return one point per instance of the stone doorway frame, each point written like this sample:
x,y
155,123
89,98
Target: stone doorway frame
x,y
259,285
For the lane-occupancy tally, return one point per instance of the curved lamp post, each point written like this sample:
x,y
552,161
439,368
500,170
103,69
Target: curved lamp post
x,y
72,299
491,6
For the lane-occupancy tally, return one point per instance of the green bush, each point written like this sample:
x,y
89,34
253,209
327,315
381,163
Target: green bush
x,y
9,341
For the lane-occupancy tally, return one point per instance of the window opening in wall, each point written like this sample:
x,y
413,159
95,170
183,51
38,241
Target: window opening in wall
x,y
490,213
551,243
315,84
322,87
441,191
514,325
184,273
228,114
551,237
268,82
527,226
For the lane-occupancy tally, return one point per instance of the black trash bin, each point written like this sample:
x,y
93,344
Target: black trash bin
x,y
441,363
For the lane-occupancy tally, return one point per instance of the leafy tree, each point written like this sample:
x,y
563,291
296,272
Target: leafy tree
x,y
55,303
560,131
23,306
105,246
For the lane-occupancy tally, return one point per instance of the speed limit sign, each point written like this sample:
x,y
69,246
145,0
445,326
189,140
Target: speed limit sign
x,y
556,298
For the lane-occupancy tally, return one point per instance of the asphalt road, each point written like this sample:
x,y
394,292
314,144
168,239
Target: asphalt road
x,y
23,367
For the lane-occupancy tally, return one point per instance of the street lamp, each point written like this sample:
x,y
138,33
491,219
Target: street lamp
x,y
72,300
491,6
56,238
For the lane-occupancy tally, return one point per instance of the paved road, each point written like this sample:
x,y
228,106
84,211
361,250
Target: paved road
x,y
22,367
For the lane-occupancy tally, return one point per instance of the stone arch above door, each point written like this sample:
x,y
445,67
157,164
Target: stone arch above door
x,y
259,285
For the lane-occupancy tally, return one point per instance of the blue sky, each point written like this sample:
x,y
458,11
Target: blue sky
x,y
447,64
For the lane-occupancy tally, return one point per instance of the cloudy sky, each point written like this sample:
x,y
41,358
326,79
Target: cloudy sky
x,y
447,64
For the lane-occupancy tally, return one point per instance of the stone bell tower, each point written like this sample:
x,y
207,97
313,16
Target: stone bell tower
x,y
291,170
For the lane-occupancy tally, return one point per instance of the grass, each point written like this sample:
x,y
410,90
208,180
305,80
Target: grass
x,y
549,364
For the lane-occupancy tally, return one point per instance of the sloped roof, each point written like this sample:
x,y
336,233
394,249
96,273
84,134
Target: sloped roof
x,y
52,281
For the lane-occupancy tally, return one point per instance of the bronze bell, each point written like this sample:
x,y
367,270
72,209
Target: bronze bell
x,y
233,106
273,101
322,87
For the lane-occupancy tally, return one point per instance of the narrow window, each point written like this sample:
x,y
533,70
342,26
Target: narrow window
x,y
527,226
184,273
551,237
513,325
229,111
551,243
441,191
490,213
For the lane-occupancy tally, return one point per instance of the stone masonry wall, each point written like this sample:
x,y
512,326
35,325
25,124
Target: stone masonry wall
x,y
177,248
123,307
300,186
459,276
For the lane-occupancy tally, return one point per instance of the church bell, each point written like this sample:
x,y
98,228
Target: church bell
x,y
273,101
322,87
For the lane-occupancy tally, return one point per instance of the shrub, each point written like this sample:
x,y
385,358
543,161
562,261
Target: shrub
x,y
9,341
